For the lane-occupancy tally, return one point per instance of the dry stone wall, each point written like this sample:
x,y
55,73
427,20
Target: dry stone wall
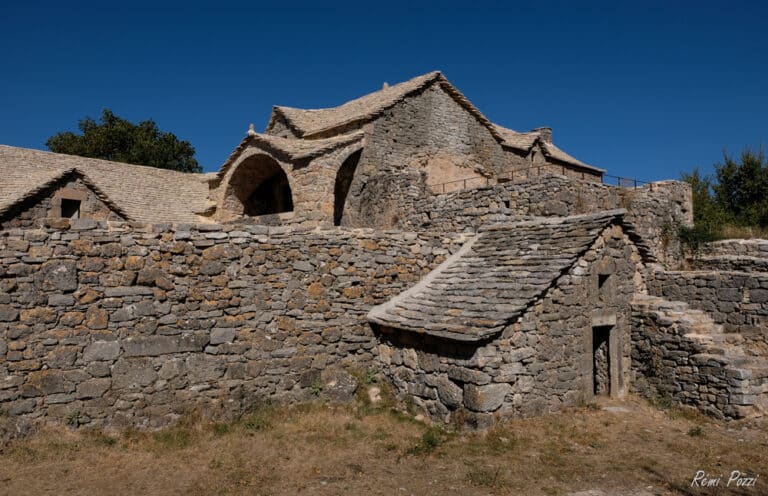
x,y
680,354
737,300
655,209
135,325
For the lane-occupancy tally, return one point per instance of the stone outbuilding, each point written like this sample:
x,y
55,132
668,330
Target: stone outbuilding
x,y
525,318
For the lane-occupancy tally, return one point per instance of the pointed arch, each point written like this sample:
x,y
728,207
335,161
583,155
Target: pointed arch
x,y
344,178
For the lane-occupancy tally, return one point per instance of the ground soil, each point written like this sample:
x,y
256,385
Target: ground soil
x,y
633,448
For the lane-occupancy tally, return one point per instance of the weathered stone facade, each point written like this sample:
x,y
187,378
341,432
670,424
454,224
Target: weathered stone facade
x,y
135,326
682,355
48,205
500,277
542,361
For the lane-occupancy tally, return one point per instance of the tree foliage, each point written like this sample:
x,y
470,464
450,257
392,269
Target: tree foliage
x,y
119,140
735,196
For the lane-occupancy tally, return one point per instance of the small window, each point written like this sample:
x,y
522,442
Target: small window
x,y
602,279
70,209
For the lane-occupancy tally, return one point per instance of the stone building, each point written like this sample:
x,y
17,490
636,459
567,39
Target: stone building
x,y
486,273
353,165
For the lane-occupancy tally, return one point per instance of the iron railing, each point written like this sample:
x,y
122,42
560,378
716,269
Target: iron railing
x,y
534,171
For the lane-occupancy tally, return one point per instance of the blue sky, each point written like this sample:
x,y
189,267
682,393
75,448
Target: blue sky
x,y
644,89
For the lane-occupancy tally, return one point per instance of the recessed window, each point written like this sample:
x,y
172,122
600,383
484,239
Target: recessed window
x,y
70,209
602,279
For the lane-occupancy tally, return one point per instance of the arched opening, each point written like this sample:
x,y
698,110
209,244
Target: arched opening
x,y
343,182
259,186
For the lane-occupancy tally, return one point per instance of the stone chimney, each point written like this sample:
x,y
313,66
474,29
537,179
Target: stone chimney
x,y
385,86
545,133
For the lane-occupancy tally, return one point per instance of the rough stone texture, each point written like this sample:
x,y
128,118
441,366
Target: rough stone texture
x,y
683,355
737,300
745,255
542,359
281,307
656,210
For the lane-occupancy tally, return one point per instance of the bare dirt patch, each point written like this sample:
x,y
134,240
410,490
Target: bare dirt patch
x,y
327,450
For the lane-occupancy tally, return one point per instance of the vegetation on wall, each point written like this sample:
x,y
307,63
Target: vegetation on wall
x,y
119,140
732,202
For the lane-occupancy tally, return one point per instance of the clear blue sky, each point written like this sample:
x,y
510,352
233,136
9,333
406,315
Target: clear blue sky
x,y
644,89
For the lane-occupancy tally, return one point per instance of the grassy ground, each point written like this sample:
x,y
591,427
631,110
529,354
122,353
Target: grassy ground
x,y
327,450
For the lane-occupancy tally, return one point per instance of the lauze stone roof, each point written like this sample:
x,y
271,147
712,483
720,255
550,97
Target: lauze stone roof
x,y
310,124
139,193
493,278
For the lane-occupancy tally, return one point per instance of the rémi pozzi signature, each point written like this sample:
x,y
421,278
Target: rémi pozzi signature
x,y
735,479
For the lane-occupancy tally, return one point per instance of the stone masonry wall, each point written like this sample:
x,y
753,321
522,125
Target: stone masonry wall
x,y
135,326
748,255
48,204
737,300
675,355
655,209
539,364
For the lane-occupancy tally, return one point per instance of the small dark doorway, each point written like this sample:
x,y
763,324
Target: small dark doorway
x,y
343,182
601,360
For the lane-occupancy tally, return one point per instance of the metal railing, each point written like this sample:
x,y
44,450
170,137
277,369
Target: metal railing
x,y
534,171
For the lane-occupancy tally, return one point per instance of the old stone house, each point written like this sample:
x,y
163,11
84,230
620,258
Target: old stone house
x,y
485,272
354,165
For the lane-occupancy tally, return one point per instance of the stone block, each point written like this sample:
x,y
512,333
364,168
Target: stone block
x,y
222,335
448,392
101,351
94,388
163,345
8,313
57,275
485,398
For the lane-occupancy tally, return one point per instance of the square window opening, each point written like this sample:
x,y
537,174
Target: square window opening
x,y
70,209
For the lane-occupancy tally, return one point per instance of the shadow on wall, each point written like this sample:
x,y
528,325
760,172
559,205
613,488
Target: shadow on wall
x,y
259,187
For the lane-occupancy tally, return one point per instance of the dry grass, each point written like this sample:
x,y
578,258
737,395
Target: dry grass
x,y
325,450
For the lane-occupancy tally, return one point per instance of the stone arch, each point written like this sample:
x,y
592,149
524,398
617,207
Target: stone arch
x,y
344,177
258,186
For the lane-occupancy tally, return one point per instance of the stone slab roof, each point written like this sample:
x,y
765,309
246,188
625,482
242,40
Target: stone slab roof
x,y
314,121
525,141
494,277
290,149
139,193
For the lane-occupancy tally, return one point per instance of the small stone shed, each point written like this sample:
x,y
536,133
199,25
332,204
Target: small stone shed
x,y
525,318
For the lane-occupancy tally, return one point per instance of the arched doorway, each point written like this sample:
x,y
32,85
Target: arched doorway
x,y
259,186
343,181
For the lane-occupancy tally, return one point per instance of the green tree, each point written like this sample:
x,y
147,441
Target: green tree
x,y
119,140
741,188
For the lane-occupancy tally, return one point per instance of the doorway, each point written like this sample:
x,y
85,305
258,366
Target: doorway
x,y
601,360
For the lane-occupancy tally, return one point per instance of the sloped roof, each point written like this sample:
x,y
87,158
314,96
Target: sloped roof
x,y
313,122
291,149
494,277
140,193
514,139
525,141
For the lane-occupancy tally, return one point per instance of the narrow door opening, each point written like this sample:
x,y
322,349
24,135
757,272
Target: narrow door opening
x,y
601,360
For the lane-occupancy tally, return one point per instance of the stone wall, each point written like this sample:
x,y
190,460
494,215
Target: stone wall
x,y
135,325
677,354
47,204
655,209
732,254
540,363
737,300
